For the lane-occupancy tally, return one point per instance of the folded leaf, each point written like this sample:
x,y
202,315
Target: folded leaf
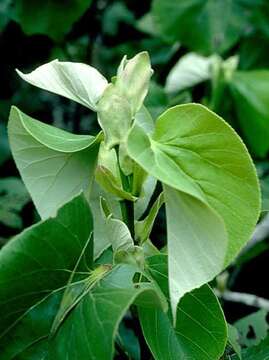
x,y
200,332
250,93
210,182
75,81
54,164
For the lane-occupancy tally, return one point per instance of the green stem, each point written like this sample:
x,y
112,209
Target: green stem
x,y
127,206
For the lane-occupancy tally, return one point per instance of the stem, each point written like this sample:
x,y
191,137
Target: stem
x,y
127,211
127,206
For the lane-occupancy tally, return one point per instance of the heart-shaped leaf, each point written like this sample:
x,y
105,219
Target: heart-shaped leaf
x,y
209,182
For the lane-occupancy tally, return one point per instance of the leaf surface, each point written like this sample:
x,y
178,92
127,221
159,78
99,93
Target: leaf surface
x,y
250,93
54,165
200,331
206,26
75,81
209,181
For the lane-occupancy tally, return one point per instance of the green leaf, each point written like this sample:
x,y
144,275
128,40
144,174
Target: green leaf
x,y
250,93
54,164
55,18
143,228
203,26
197,243
190,70
209,182
13,197
252,328
75,81
48,289
41,259
200,331
107,174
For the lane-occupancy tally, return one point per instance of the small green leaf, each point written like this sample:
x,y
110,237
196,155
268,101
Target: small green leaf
x,y
209,182
54,164
200,331
250,93
75,81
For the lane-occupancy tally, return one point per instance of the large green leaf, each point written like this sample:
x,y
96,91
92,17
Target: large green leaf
x,y
54,165
206,26
79,82
250,93
52,305
200,331
41,259
209,182
55,18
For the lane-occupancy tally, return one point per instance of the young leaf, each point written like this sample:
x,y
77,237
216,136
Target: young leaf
x,y
133,78
250,93
200,331
209,182
107,174
75,81
54,164
114,116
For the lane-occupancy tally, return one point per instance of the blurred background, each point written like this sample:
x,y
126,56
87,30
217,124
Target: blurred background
x,y
213,52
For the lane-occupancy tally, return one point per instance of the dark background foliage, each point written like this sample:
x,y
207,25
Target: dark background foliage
x,y
100,32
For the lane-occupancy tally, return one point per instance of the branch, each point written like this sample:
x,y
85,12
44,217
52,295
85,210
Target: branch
x,y
243,298
260,233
